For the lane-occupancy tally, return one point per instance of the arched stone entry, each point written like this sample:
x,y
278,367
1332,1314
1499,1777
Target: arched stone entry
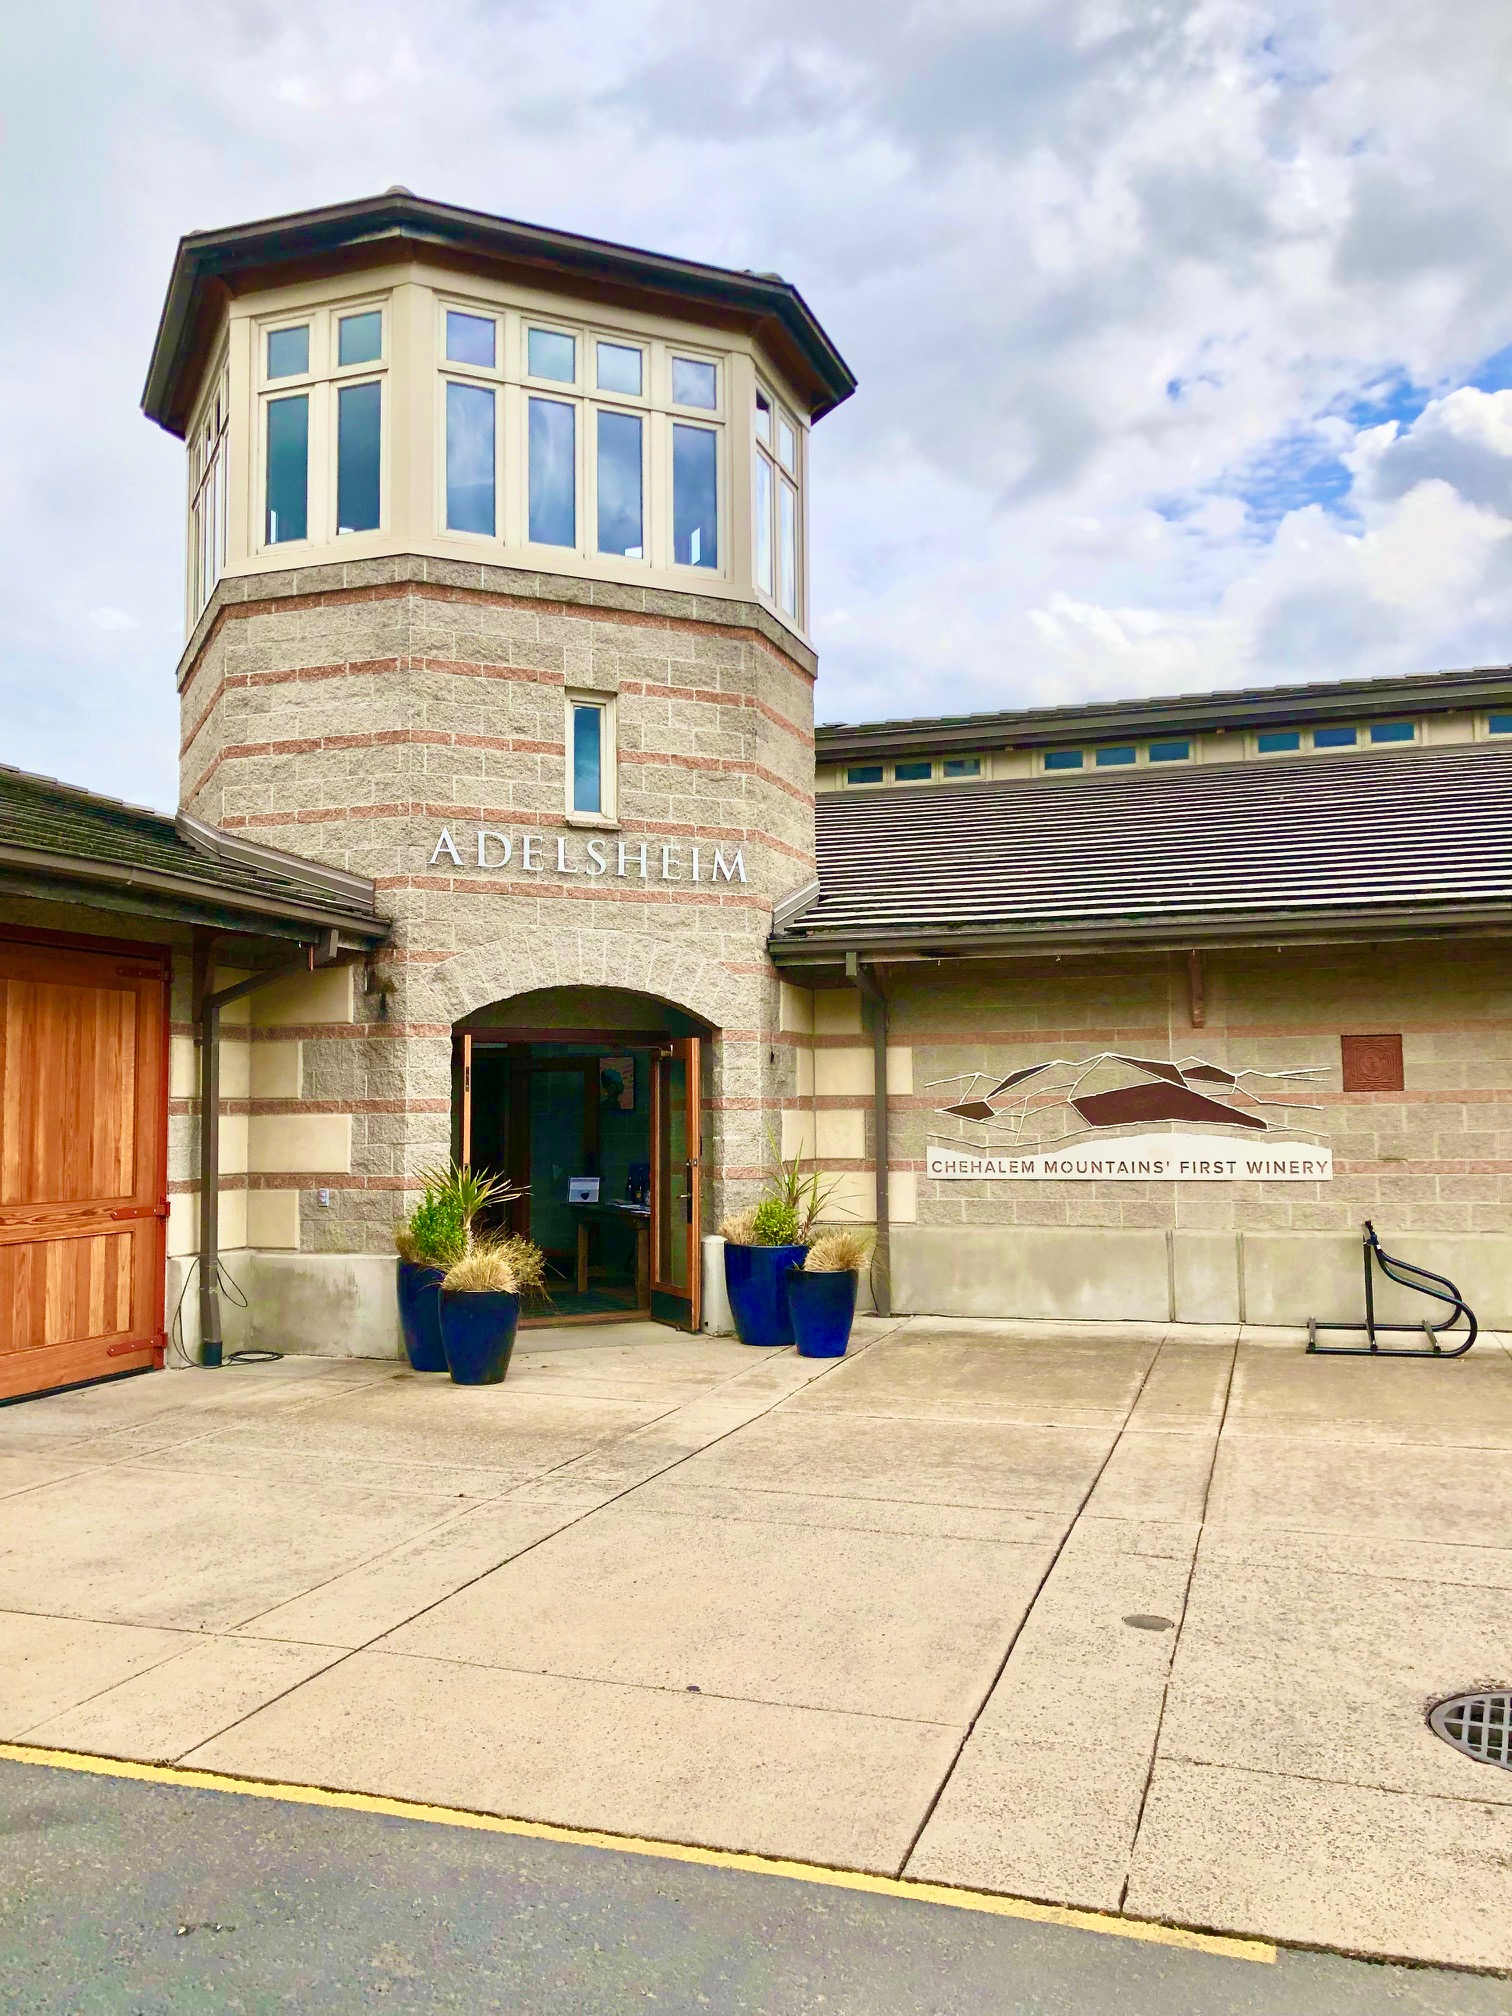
x,y
591,1102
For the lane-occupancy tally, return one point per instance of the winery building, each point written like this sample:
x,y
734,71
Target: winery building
x,y
505,832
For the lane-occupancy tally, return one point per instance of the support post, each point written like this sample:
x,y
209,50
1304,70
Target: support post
x,y
212,1344
864,978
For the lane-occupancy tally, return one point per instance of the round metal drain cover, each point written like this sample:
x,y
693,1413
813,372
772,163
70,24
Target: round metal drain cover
x,y
1478,1724
1143,1622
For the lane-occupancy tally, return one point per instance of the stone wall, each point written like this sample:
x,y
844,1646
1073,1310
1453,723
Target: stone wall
x,y
1430,1164
352,713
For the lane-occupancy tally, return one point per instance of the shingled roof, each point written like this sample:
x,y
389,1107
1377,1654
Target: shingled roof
x,y
59,841
1409,840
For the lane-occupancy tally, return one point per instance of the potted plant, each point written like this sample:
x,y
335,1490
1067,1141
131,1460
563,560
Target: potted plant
x,y
480,1306
480,1313
434,1236
762,1246
822,1293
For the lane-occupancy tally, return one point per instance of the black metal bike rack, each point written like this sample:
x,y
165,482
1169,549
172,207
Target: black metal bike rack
x,y
1407,1275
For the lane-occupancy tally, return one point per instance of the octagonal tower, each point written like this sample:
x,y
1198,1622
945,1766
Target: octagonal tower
x,y
497,592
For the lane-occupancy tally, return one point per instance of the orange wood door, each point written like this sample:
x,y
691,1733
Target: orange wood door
x,y
83,1164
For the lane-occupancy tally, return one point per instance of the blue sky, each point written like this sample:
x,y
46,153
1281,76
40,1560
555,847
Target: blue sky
x,y
1183,327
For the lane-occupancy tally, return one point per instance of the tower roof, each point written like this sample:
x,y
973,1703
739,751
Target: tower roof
x,y
375,230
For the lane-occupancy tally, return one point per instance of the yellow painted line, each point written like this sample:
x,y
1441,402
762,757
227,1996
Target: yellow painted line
x,y
667,1851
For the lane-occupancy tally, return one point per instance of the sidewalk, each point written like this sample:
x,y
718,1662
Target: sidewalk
x,y
873,1615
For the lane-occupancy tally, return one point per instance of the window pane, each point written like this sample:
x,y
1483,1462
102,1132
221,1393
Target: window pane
x,y
763,417
1063,759
357,425
912,773
763,524
1105,757
470,458
288,468
551,355
359,338
787,445
288,352
553,473
694,383
1333,738
1391,731
1279,742
1170,752
587,759
695,513
788,503
1500,724
470,339
619,485
619,368
864,773
963,766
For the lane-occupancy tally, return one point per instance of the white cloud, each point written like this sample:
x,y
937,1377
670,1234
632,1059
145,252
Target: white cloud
x,y
1115,278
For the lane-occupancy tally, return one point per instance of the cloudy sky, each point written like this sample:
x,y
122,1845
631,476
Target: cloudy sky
x,y
1183,327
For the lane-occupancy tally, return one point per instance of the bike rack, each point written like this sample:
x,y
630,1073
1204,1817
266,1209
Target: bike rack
x,y
1396,1270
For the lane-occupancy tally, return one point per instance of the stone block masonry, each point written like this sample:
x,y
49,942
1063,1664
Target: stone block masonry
x,y
354,713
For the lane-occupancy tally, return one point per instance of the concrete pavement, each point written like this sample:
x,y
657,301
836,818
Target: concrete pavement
x,y
874,1614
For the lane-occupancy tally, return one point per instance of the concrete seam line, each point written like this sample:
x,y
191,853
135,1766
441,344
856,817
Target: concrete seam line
x,y
1146,1930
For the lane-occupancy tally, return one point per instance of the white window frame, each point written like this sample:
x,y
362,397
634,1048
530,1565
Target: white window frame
x,y
698,417
607,706
778,476
320,384
209,491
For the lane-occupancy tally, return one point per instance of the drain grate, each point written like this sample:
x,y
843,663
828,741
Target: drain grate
x,y
1478,1724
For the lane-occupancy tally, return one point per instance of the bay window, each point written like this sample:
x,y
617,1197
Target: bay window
x,y
471,431
776,527
695,496
321,427
288,456
553,473
208,485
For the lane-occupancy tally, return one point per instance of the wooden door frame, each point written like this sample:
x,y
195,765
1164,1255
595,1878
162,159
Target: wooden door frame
x,y
145,952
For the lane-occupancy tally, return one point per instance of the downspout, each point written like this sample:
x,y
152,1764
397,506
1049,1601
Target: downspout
x,y
211,1341
864,979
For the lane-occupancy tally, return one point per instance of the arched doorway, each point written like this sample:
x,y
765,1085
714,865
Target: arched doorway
x,y
589,1100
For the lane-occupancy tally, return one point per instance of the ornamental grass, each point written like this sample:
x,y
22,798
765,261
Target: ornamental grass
x,y
841,1252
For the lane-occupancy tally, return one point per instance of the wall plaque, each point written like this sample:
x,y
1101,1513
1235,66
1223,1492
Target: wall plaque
x,y
1112,1118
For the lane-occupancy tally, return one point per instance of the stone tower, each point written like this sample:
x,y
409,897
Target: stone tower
x,y
497,593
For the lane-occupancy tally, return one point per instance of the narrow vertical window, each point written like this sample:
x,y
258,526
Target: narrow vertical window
x,y
553,473
787,444
358,418
470,458
620,501
789,502
763,417
763,515
288,469
695,509
587,758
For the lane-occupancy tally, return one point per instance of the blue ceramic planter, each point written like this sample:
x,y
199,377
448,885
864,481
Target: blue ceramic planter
x,y
824,1307
756,1278
420,1316
478,1329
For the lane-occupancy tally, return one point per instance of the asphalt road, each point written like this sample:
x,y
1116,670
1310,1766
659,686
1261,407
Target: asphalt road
x,y
126,1899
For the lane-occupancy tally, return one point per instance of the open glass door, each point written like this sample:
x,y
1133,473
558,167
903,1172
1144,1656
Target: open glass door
x,y
676,1123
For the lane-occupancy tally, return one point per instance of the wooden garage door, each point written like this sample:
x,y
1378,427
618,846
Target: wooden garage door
x,y
83,1164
